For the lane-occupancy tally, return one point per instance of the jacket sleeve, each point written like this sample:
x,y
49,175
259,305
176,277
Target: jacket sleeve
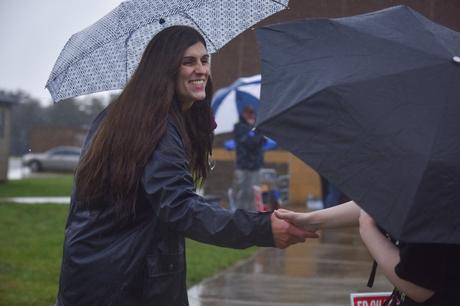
x,y
245,136
170,190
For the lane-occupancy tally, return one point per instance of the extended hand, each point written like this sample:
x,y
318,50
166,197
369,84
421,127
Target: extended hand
x,y
285,233
301,220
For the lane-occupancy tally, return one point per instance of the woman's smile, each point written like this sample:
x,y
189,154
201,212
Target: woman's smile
x,y
193,75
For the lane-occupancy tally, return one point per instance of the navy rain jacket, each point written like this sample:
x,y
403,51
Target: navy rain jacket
x,y
142,262
249,146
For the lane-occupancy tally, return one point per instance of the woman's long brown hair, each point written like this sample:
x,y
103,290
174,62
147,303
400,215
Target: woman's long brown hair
x,y
111,169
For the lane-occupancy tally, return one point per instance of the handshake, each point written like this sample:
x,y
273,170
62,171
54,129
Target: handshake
x,y
290,227
287,230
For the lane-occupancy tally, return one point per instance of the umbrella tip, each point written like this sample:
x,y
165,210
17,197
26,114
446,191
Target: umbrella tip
x,y
456,59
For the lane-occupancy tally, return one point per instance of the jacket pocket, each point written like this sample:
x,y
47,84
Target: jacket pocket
x,y
164,264
164,282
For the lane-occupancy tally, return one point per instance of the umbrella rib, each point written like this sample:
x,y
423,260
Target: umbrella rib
x,y
396,42
223,92
428,30
282,4
431,151
201,30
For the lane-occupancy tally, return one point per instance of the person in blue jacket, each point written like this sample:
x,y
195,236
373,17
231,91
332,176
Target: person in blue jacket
x,y
249,159
134,199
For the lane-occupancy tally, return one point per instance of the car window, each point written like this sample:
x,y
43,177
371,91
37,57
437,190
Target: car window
x,y
71,153
65,152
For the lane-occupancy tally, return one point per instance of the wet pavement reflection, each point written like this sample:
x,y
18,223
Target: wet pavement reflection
x,y
320,272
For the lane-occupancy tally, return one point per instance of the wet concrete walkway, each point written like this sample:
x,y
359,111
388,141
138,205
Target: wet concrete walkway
x,y
36,200
320,272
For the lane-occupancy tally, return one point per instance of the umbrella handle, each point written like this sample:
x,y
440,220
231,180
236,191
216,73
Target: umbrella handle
x,y
370,282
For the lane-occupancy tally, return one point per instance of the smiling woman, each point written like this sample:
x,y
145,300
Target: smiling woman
x,y
134,201
193,75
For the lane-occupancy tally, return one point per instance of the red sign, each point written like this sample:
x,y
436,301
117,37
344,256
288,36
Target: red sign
x,y
258,199
369,298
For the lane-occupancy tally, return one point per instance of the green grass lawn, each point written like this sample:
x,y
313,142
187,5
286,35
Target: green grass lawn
x,y
57,185
31,247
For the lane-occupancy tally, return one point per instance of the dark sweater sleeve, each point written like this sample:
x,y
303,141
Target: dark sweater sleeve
x,y
170,190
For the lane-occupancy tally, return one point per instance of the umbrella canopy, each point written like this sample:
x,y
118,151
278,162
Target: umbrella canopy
x,y
104,55
228,103
372,102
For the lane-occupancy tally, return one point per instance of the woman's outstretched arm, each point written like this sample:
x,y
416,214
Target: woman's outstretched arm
x,y
385,253
342,215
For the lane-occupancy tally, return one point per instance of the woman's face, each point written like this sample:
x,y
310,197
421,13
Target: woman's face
x,y
193,75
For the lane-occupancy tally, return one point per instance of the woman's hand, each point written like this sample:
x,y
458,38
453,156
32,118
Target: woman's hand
x,y
302,220
286,233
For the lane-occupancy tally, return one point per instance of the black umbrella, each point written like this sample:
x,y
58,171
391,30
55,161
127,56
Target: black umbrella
x,y
372,102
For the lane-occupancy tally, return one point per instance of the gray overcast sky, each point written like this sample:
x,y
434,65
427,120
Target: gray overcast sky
x,y
33,32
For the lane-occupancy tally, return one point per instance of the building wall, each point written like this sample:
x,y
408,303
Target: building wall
x,y
5,140
45,138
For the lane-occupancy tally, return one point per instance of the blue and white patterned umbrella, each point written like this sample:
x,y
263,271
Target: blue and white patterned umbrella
x,y
230,101
104,55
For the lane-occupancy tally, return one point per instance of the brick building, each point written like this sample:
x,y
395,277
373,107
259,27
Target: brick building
x,y
45,138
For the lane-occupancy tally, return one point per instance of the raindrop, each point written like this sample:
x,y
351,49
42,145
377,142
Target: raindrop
x,y
456,59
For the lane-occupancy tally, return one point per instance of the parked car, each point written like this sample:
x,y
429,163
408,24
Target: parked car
x,y
60,159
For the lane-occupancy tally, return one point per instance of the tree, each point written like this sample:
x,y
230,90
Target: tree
x,y
28,113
